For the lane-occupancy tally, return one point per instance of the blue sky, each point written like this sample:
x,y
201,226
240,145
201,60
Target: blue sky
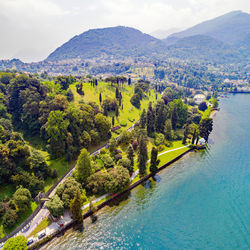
x,y
31,29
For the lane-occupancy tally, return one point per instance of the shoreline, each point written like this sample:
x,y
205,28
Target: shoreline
x,y
114,198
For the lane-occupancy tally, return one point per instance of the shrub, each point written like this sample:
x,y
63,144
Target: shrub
x,y
131,119
103,151
118,157
160,148
123,123
202,106
118,131
135,144
159,139
167,143
108,161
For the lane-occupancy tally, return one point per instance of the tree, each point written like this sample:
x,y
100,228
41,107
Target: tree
x,y
136,101
118,179
168,129
67,190
10,218
125,162
112,145
16,243
22,198
102,125
186,131
57,130
130,155
154,162
206,127
75,208
143,119
150,120
174,118
55,206
142,155
194,136
202,106
83,167
100,97
160,116
113,120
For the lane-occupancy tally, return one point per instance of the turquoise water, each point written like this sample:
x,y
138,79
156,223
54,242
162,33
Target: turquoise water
x,y
200,202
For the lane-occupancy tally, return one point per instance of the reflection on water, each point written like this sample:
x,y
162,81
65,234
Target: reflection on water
x,y
200,202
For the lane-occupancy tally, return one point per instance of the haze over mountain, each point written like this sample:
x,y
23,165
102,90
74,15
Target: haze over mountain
x,y
161,34
230,28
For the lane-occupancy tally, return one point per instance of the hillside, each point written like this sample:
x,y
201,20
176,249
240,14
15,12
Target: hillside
x,y
229,28
114,41
203,48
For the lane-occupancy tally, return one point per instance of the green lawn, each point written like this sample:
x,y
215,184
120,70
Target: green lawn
x,y
206,113
61,165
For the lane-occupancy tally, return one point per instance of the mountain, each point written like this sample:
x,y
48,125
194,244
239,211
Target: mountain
x,y
115,41
160,34
230,28
202,47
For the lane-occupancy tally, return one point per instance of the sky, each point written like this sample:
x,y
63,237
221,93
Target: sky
x,y
32,29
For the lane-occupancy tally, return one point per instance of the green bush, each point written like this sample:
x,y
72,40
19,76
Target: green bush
x,y
167,143
131,119
159,139
103,151
123,123
160,148
118,131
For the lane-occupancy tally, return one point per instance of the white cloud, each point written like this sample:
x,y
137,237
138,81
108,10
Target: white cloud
x,y
37,27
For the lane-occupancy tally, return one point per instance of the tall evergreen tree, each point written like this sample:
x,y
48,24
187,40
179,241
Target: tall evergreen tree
x,y
83,167
117,93
129,81
143,119
130,155
143,155
154,162
75,207
168,129
150,120
100,97
113,120
194,136
185,135
160,116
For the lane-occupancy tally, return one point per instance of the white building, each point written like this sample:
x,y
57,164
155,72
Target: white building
x,y
199,98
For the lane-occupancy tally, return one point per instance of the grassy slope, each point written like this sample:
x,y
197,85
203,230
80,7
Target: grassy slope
x,y
129,112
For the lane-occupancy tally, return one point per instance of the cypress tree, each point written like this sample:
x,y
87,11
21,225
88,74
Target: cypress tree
x,y
154,162
160,116
185,136
100,97
143,155
150,120
194,136
129,81
116,112
113,120
117,93
143,119
75,207
130,155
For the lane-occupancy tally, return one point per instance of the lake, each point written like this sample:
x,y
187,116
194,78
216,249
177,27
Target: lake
x,y
200,202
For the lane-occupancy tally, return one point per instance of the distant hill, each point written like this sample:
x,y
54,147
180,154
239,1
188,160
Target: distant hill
x,y
203,47
229,28
114,41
